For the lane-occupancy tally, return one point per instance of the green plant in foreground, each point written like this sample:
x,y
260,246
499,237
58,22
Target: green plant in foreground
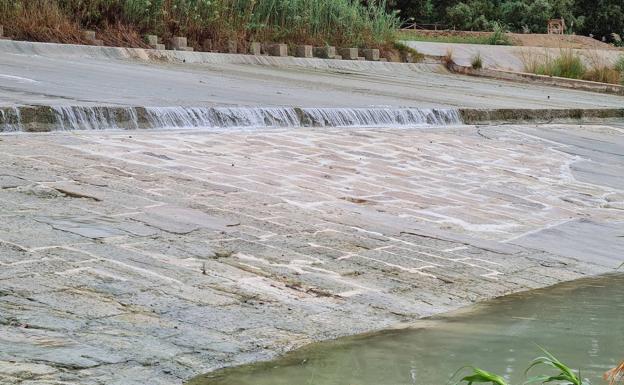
x,y
481,376
565,372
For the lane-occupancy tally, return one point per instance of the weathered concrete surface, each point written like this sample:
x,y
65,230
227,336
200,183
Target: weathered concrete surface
x,y
505,57
52,74
151,256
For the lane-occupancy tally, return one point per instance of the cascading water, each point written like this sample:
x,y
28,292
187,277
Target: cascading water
x,y
381,117
221,117
110,117
95,118
10,120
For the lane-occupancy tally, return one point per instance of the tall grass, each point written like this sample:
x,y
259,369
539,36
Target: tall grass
x,y
569,64
336,22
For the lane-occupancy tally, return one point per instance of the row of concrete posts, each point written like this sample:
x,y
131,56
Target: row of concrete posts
x,y
179,43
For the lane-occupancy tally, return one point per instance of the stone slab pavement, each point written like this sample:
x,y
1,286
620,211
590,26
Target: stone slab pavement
x,y
55,74
135,257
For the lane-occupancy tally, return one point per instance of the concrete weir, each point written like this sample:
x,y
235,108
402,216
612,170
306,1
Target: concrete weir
x,y
47,118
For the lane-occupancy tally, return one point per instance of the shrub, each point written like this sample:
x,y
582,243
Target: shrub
x,y
477,62
499,35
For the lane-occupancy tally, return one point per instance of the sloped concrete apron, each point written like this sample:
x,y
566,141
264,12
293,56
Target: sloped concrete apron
x,y
136,257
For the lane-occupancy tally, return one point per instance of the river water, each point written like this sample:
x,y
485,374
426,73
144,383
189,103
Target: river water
x,y
580,322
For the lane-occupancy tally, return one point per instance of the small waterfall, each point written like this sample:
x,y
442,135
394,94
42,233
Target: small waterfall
x,y
10,119
111,117
381,117
95,118
221,117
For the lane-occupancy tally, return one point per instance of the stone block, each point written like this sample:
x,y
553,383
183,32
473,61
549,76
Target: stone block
x,y
88,35
383,59
1,30
151,39
160,47
327,52
304,51
178,43
97,42
255,48
278,50
371,54
348,53
232,46
361,58
188,49
337,57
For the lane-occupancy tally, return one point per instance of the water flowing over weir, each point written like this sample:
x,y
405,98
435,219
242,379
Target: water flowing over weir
x,y
112,117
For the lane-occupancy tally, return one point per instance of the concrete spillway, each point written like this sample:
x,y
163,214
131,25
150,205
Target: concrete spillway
x,y
64,118
95,118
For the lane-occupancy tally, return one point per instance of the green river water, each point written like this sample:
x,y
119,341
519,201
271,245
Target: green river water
x,y
581,322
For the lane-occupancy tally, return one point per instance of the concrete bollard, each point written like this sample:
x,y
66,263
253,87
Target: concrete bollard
x,y
303,51
178,43
327,52
151,40
232,46
88,35
278,50
348,53
255,48
371,54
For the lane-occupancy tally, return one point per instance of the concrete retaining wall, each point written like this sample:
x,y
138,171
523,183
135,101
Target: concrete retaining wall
x,y
524,77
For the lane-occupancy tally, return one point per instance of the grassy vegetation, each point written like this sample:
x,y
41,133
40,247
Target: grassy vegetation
x,y
498,36
569,64
471,39
335,22
477,62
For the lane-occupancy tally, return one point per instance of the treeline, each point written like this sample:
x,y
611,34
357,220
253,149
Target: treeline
x,y
600,18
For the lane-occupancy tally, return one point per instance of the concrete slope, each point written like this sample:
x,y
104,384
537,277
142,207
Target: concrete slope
x,y
52,74
507,57
148,257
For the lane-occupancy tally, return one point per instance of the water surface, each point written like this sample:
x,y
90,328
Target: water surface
x,y
581,322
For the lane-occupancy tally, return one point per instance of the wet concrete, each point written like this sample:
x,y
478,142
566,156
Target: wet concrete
x,y
152,256
48,74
